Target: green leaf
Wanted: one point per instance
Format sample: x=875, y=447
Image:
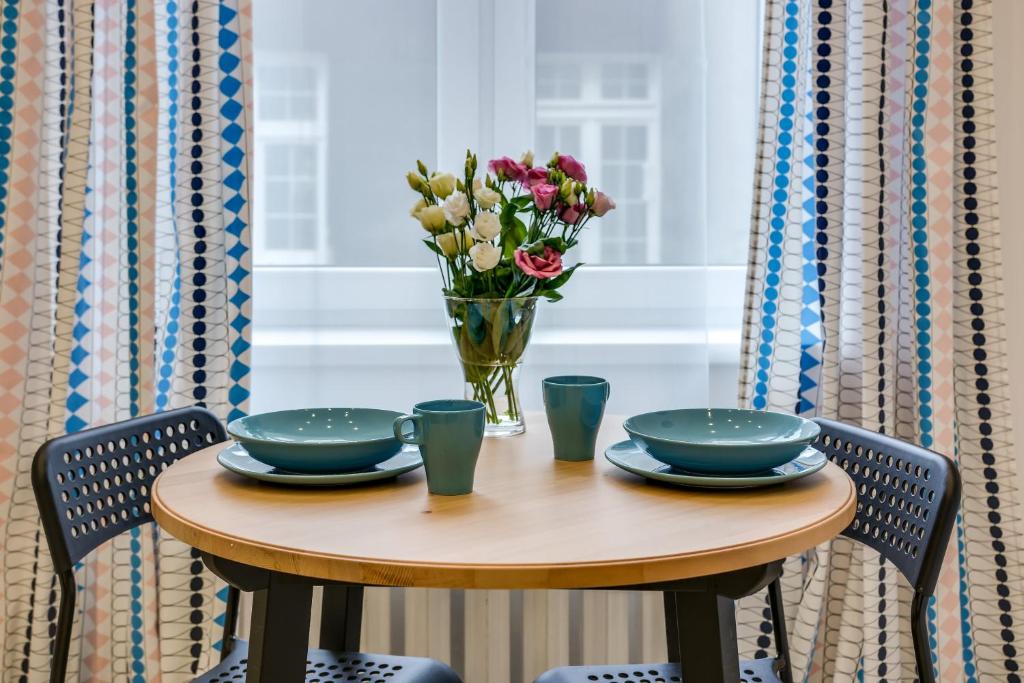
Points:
x=556, y=282
x=522, y=201
x=519, y=230
x=551, y=296
x=513, y=231
x=508, y=213
x=556, y=243
x=434, y=248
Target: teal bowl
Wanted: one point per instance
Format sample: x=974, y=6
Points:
x=319, y=440
x=721, y=440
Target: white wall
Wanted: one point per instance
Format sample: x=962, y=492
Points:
x=1009, y=89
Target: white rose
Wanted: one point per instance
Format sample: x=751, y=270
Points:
x=486, y=197
x=486, y=226
x=456, y=208
x=431, y=218
x=449, y=242
x=485, y=256
x=417, y=207
x=442, y=184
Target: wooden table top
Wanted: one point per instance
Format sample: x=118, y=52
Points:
x=532, y=522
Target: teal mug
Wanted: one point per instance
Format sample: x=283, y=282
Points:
x=575, y=406
x=449, y=434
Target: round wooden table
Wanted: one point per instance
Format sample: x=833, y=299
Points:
x=531, y=522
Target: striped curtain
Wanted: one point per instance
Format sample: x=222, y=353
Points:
x=124, y=290
x=874, y=296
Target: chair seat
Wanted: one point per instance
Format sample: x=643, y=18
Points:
x=751, y=671
x=325, y=666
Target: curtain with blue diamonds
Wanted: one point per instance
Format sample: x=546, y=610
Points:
x=874, y=296
x=124, y=290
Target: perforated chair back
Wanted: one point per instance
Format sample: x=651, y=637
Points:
x=95, y=484
x=907, y=498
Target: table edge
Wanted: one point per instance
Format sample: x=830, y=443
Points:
x=604, y=574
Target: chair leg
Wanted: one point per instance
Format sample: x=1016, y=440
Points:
x=65, y=622
x=227, y=643
x=779, y=626
x=919, y=631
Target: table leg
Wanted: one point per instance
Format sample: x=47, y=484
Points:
x=279, y=631
x=705, y=625
x=671, y=627
x=341, y=618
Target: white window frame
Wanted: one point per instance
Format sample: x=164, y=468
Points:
x=285, y=132
x=634, y=315
x=591, y=111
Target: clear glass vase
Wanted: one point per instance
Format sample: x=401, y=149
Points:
x=490, y=336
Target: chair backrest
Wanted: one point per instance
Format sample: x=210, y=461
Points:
x=94, y=484
x=907, y=497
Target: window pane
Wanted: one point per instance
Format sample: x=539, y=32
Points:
x=545, y=142
x=303, y=234
x=273, y=107
x=277, y=230
x=300, y=78
x=611, y=142
x=571, y=81
x=547, y=87
x=304, y=107
x=611, y=80
x=636, y=143
x=611, y=181
x=357, y=116
x=638, y=81
x=287, y=92
x=277, y=159
x=305, y=160
x=634, y=181
x=570, y=141
x=277, y=197
x=304, y=197
x=667, y=114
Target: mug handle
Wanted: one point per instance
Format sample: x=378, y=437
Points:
x=607, y=390
x=413, y=437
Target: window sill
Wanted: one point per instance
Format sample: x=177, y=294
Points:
x=339, y=346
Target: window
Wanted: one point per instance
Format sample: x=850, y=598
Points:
x=291, y=161
x=658, y=98
x=608, y=110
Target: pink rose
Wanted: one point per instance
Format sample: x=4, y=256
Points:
x=572, y=214
x=541, y=267
x=544, y=195
x=572, y=168
x=602, y=204
x=536, y=176
x=508, y=169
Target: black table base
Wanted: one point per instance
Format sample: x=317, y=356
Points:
x=700, y=619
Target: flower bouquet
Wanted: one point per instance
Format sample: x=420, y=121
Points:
x=500, y=243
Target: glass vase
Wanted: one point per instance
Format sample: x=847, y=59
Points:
x=490, y=336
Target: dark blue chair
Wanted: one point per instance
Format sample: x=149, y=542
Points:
x=95, y=484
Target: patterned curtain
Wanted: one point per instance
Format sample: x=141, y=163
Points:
x=124, y=284
x=874, y=296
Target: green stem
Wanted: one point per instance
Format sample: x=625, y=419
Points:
x=487, y=383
